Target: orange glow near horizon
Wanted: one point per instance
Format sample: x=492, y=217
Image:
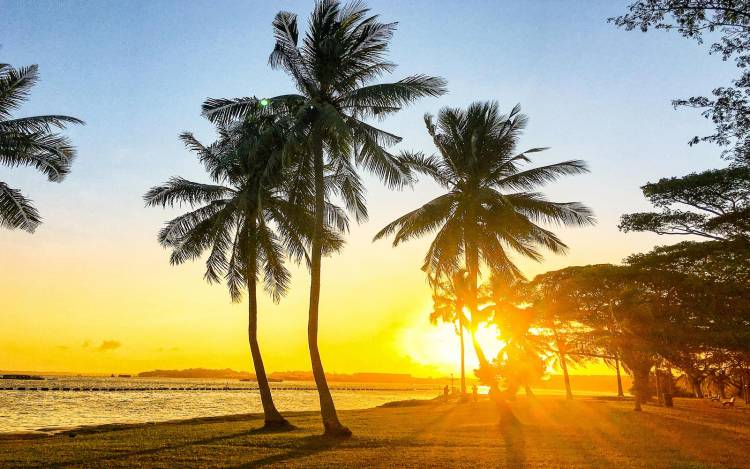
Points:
x=103, y=301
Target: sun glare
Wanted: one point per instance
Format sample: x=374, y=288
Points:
x=438, y=347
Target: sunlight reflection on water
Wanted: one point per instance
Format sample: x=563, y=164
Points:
x=34, y=410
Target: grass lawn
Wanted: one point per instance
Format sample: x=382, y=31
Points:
x=585, y=432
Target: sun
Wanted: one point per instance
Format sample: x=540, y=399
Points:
x=438, y=346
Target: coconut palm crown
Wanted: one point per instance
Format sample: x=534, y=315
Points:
x=491, y=208
x=28, y=141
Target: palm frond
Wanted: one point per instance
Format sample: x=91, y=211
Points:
x=178, y=191
x=16, y=211
x=15, y=87
x=539, y=176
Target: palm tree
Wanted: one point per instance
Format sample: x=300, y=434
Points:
x=28, y=141
x=333, y=69
x=489, y=208
x=244, y=220
x=448, y=306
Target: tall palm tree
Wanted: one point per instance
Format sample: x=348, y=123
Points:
x=490, y=207
x=333, y=69
x=28, y=141
x=244, y=220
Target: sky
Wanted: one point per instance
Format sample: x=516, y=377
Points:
x=92, y=291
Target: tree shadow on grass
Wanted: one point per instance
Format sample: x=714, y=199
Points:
x=515, y=445
x=149, y=451
x=303, y=447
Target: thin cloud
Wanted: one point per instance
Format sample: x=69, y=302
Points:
x=107, y=345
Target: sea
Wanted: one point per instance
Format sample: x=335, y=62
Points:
x=64, y=402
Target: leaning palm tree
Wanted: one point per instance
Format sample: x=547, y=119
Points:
x=244, y=220
x=28, y=141
x=490, y=208
x=333, y=69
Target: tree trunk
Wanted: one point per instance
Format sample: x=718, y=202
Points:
x=273, y=418
x=620, y=392
x=485, y=369
x=640, y=370
x=638, y=388
x=327, y=409
x=659, y=386
x=463, y=354
x=563, y=365
x=695, y=384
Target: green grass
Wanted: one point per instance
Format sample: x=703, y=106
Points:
x=582, y=433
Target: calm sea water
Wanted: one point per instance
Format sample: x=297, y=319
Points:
x=131, y=400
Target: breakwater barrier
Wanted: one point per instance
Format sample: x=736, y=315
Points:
x=187, y=388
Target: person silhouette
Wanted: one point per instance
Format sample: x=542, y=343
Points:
x=445, y=393
x=474, y=392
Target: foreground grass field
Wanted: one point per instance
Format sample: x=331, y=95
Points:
x=585, y=432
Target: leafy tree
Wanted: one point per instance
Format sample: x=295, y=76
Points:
x=722, y=355
x=333, y=68
x=714, y=204
x=718, y=261
x=489, y=208
x=727, y=24
x=28, y=141
x=649, y=314
x=522, y=359
x=559, y=326
x=244, y=220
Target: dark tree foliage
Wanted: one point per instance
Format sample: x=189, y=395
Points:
x=727, y=24
x=718, y=261
x=714, y=204
x=28, y=141
x=644, y=314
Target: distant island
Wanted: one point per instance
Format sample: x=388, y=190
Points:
x=225, y=373
x=228, y=373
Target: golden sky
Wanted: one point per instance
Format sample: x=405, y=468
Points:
x=113, y=304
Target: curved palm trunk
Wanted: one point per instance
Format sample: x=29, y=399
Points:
x=485, y=369
x=272, y=417
x=327, y=408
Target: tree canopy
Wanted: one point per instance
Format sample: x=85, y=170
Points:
x=726, y=23
x=714, y=204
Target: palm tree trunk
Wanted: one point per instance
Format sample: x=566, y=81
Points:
x=485, y=370
x=563, y=365
x=463, y=354
x=327, y=408
x=272, y=417
x=620, y=392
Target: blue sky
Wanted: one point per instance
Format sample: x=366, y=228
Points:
x=138, y=71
